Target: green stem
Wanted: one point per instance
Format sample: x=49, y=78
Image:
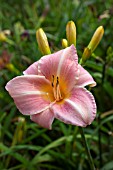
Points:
x=74, y=139
x=80, y=62
x=92, y=167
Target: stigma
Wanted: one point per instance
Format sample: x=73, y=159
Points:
x=56, y=88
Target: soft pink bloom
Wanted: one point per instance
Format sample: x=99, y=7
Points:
x=53, y=87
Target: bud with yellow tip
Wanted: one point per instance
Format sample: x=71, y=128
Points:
x=42, y=42
x=20, y=128
x=86, y=55
x=71, y=33
x=12, y=68
x=96, y=38
x=64, y=43
x=93, y=44
x=3, y=37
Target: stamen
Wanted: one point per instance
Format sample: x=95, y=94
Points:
x=56, y=88
x=58, y=93
x=57, y=81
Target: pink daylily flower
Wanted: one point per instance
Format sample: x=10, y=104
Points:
x=53, y=87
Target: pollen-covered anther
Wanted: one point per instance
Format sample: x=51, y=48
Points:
x=56, y=88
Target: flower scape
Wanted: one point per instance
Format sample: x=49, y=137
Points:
x=54, y=87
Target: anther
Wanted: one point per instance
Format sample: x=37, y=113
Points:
x=53, y=81
x=52, y=84
x=57, y=81
x=53, y=77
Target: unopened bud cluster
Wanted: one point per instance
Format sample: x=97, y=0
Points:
x=71, y=39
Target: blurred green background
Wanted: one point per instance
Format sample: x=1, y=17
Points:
x=23, y=144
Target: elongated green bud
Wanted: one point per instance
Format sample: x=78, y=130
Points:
x=96, y=38
x=71, y=33
x=64, y=43
x=42, y=42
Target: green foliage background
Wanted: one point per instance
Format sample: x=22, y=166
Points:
x=23, y=144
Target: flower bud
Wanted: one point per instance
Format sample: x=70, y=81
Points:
x=42, y=41
x=71, y=33
x=21, y=129
x=64, y=43
x=96, y=38
x=86, y=54
x=3, y=38
x=12, y=68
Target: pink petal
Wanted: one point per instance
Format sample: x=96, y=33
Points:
x=85, y=78
x=44, y=119
x=32, y=69
x=27, y=92
x=63, y=64
x=79, y=109
x=51, y=64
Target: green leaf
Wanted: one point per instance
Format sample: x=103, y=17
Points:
x=108, y=166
